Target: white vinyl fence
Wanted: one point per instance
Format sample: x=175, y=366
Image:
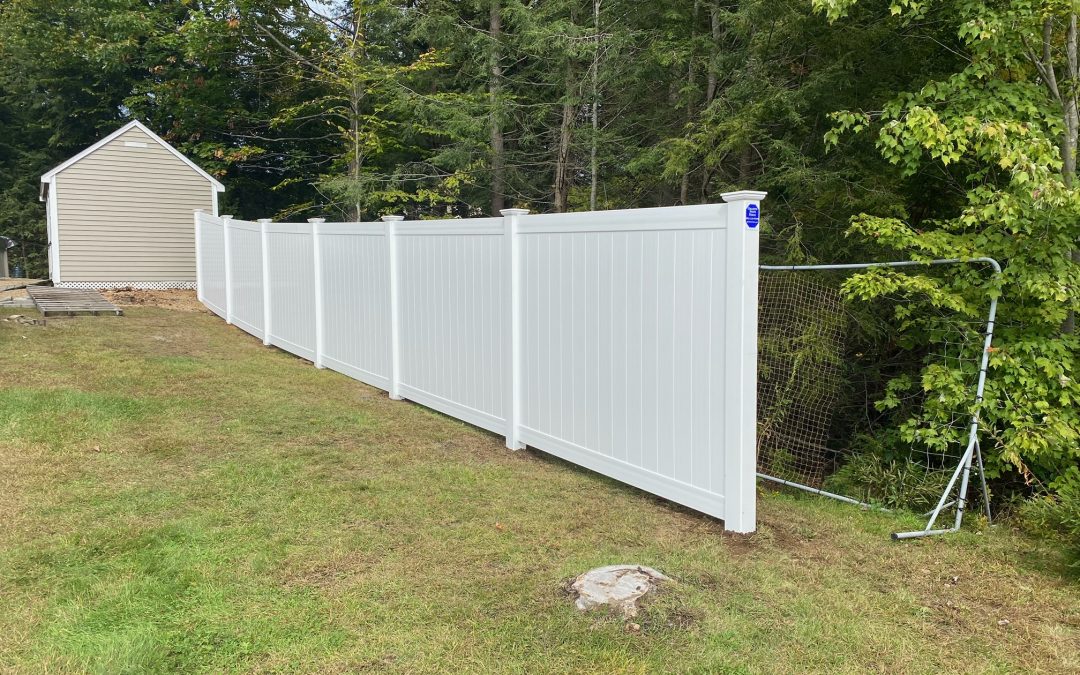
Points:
x=621, y=341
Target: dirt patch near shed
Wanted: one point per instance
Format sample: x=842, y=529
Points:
x=14, y=294
x=175, y=299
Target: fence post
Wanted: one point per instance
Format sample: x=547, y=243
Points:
x=511, y=221
x=263, y=222
x=395, y=316
x=316, y=250
x=198, y=254
x=742, y=215
x=226, y=221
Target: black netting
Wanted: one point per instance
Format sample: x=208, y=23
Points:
x=801, y=326
x=892, y=378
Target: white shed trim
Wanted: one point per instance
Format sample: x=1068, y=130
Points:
x=51, y=221
x=47, y=178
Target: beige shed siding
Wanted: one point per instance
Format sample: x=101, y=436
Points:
x=125, y=214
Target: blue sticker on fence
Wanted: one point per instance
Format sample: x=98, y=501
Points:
x=752, y=213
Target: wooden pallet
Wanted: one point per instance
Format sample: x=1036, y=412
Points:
x=70, y=301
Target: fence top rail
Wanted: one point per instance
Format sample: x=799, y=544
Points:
x=358, y=229
x=289, y=228
x=690, y=217
x=448, y=226
x=244, y=225
x=695, y=217
x=207, y=218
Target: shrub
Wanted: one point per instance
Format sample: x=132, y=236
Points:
x=891, y=482
x=1058, y=513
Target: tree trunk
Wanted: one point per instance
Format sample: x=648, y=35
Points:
x=746, y=166
x=684, y=185
x=711, y=83
x=594, y=166
x=1068, y=141
x=714, y=21
x=356, y=98
x=562, y=157
x=498, y=165
x=356, y=159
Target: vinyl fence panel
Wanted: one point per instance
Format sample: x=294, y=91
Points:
x=622, y=341
x=355, y=278
x=452, y=289
x=246, y=274
x=291, y=271
x=626, y=347
x=210, y=261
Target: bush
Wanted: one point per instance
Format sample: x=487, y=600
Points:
x=1058, y=514
x=893, y=483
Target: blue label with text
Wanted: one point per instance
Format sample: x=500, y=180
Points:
x=752, y=213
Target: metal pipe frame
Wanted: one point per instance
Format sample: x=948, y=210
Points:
x=817, y=491
x=963, y=469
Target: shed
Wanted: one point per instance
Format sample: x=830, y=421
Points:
x=120, y=213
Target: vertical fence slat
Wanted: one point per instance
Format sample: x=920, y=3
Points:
x=512, y=248
x=263, y=222
x=226, y=221
x=316, y=266
x=395, y=309
x=198, y=255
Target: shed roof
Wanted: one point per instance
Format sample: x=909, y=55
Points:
x=47, y=177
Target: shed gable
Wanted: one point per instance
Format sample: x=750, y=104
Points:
x=134, y=152
x=124, y=212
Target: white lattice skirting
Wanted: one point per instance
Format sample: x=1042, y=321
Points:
x=142, y=285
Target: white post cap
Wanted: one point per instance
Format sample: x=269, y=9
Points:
x=266, y=220
x=316, y=220
x=743, y=196
x=393, y=219
x=514, y=212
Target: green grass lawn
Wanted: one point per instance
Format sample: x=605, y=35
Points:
x=176, y=497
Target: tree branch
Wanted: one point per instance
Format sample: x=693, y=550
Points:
x=1048, y=59
x=292, y=52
